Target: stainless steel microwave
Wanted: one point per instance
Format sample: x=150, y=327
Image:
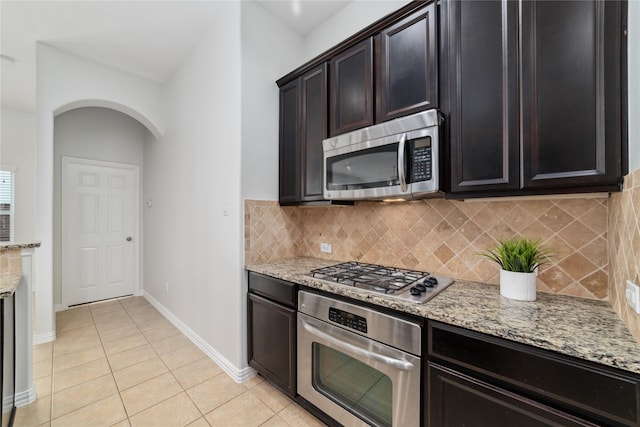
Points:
x=394, y=160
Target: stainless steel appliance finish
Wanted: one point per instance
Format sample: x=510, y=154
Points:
x=397, y=159
x=407, y=285
x=357, y=365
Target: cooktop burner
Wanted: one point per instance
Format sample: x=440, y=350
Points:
x=408, y=285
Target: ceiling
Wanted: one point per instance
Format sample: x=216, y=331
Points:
x=148, y=38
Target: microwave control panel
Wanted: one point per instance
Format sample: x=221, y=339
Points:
x=347, y=319
x=421, y=159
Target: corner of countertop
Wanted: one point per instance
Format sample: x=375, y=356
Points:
x=8, y=284
x=18, y=245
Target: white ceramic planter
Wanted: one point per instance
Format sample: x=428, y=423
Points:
x=518, y=286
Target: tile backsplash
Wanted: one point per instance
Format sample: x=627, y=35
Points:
x=441, y=236
x=10, y=262
x=624, y=248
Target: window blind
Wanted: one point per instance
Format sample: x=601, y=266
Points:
x=6, y=205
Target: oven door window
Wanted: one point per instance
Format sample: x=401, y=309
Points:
x=371, y=168
x=357, y=387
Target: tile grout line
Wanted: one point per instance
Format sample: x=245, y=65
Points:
x=51, y=417
x=183, y=390
x=118, y=391
x=137, y=325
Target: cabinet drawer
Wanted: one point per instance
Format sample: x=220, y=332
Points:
x=456, y=399
x=275, y=289
x=597, y=392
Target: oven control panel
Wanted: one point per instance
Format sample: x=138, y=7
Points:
x=347, y=319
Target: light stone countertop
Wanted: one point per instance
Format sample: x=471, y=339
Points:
x=18, y=245
x=578, y=327
x=9, y=283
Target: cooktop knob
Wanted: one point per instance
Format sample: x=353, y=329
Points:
x=422, y=287
x=415, y=291
x=430, y=281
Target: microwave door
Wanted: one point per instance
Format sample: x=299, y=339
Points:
x=371, y=171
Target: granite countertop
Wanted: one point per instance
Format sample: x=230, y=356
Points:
x=18, y=245
x=9, y=283
x=577, y=327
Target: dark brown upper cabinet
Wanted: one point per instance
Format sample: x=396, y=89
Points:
x=303, y=126
x=407, y=65
x=482, y=94
x=571, y=91
x=289, y=152
x=387, y=70
x=351, y=88
x=537, y=108
x=314, y=130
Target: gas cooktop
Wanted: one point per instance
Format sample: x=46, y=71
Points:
x=406, y=285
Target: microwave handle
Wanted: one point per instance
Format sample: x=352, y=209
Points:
x=401, y=163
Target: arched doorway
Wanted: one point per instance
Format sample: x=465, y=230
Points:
x=98, y=158
x=44, y=305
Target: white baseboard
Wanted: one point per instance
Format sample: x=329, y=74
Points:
x=60, y=307
x=26, y=397
x=44, y=338
x=238, y=375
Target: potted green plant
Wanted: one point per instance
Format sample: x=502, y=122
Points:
x=518, y=260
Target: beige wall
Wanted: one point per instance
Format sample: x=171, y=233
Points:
x=441, y=236
x=624, y=248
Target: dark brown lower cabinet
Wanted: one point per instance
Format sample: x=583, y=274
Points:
x=474, y=379
x=8, y=363
x=272, y=330
x=456, y=399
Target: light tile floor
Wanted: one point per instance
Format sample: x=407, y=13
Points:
x=121, y=363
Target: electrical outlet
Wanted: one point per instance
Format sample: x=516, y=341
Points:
x=325, y=247
x=633, y=296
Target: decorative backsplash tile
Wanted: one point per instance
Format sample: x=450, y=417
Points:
x=10, y=262
x=441, y=236
x=624, y=248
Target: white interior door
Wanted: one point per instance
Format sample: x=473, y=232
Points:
x=100, y=215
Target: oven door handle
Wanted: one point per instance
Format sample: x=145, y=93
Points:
x=395, y=363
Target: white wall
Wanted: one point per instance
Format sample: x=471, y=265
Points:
x=66, y=81
x=634, y=85
x=269, y=51
x=192, y=175
x=346, y=22
x=96, y=134
x=18, y=148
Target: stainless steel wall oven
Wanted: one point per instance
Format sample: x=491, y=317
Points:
x=359, y=366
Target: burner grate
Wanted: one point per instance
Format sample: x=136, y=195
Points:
x=409, y=285
x=369, y=276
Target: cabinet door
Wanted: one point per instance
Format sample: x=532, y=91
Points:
x=289, y=143
x=351, y=88
x=456, y=399
x=571, y=93
x=272, y=342
x=481, y=94
x=8, y=363
x=314, y=130
x=406, y=65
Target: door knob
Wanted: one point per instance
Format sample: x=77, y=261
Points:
x=129, y=239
